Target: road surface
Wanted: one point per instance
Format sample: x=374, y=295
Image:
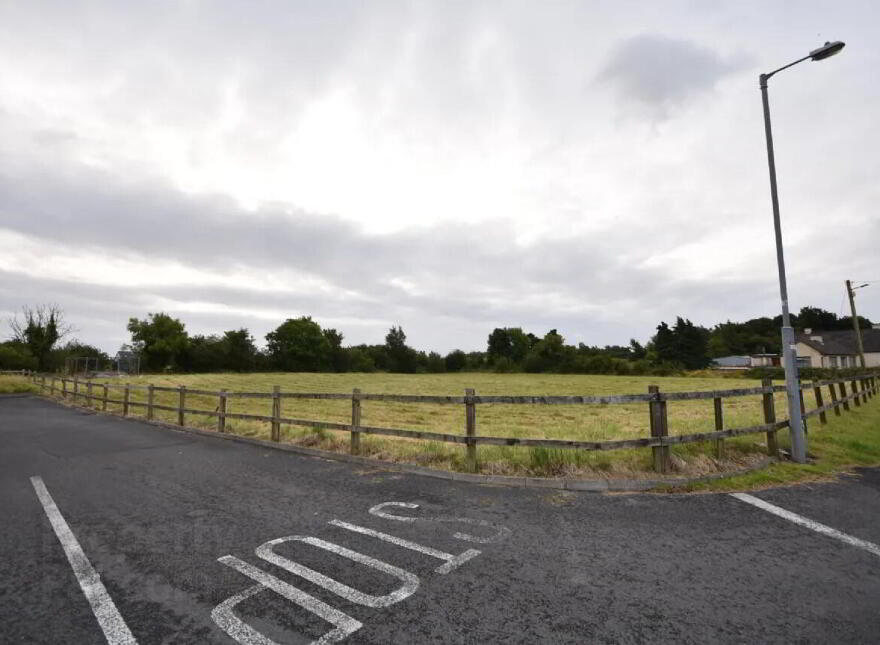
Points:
x=117, y=531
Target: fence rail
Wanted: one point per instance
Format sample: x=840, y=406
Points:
x=861, y=388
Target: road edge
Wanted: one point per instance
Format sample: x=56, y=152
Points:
x=581, y=485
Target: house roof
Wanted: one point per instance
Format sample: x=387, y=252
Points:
x=841, y=342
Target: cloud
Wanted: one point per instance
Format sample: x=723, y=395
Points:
x=107, y=248
x=659, y=73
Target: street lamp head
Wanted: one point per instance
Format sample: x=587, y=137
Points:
x=826, y=50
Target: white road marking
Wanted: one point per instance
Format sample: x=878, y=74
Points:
x=410, y=581
x=501, y=532
x=237, y=629
x=344, y=624
x=452, y=561
x=115, y=630
x=870, y=547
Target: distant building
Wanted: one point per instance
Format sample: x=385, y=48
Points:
x=745, y=362
x=837, y=348
x=731, y=363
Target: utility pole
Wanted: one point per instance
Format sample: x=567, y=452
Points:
x=855, y=319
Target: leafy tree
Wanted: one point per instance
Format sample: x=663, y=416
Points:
x=203, y=354
x=455, y=360
x=340, y=358
x=161, y=341
x=685, y=344
x=691, y=344
x=508, y=342
x=299, y=345
x=663, y=344
x=15, y=355
x=429, y=363
x=636, y=350
x=816, y=318
x=39, y=329
x=360, y=360
x=548, y=355
x=401, y=357
x=475, y=361
x=240, y=353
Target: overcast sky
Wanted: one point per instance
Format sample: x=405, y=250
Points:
x=445, y=166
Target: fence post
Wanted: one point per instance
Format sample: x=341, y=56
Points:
x=842, y=387
x=276, y=412
x=470, y=411
x=719, y=425
x=181, y=404
x=221, y=412
x=355, y=421
x=125, y=395
x=64, y=388
x=864, y=383
x=770, y=417
x=659, y=428
x=89, y=394
x=52, y=388
x=817, y=392
x=104, y=400
x=150, y=400
x=855, y=390
x=75, y=388
x=833, y=391
x=42, y=383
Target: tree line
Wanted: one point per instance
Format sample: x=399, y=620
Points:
x=301, y=345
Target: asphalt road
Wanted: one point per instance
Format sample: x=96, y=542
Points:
x=154, y=509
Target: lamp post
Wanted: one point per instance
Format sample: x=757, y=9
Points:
x=850, y=291
x=789, y=349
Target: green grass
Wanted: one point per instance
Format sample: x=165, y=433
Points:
x=845, y=442
x=15, y=385
x=584, y=422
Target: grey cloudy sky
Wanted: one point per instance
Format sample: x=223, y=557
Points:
x=446, y=166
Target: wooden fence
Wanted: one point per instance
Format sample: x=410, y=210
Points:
x=861, y=388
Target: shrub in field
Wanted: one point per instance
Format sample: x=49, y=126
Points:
x=15, y=356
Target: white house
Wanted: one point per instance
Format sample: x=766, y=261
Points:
x=837, y=348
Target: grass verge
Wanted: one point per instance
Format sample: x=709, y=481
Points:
x=16, y=385
x=846, y=442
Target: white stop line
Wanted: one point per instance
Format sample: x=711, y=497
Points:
x=870, y=547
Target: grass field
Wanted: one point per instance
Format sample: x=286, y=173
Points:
x=15, y=385
x=848, y=440
x=584, y=422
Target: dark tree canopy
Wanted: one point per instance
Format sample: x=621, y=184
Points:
x=299, y=345
x=401, y=357
x=161, y=341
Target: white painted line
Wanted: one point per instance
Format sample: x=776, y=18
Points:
x=115, y=630
x=237, y=629
x=501, y=532
x=409, y=586
x=345, y=625
x=452, y=561
x=870, y=547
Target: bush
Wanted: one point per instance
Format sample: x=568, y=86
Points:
x=16, y=357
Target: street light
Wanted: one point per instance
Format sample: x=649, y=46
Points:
x=789, y=349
